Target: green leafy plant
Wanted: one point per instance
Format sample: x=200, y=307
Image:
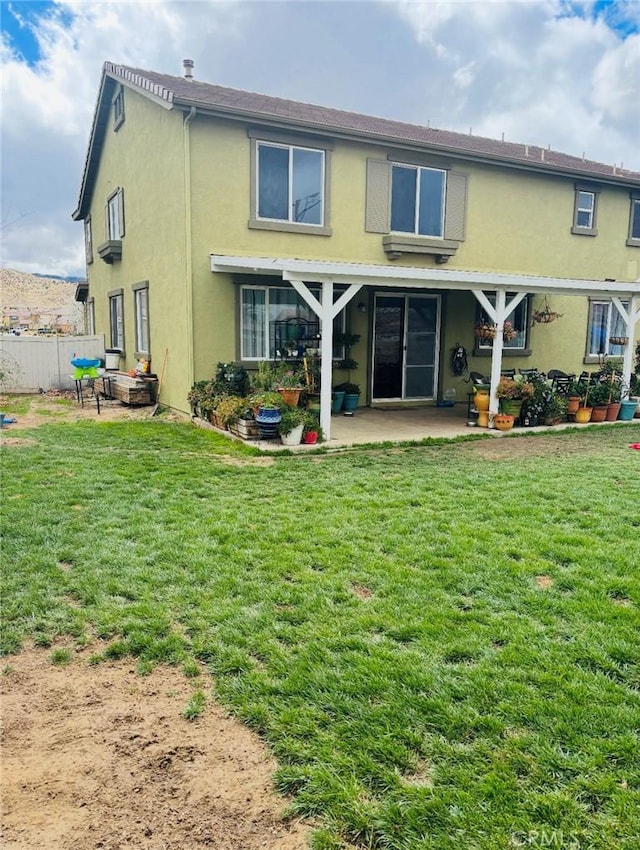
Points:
x=291, y=418
x=515, y=388
x=230, y=409
x=348, y=388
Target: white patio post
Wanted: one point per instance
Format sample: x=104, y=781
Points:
x=326, y=312
x=630, y=316
x=498, y=316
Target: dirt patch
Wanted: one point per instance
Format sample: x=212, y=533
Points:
x=544, y=582
x=99, y=757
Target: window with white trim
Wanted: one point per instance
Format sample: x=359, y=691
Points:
x=262, y=306
x=118, y=109
x=290, y=184
x=116, y=320
x=115, y=215
x=633, y=239
x=585, y=209
x=605, y=322
x=418, y=200
x=141, y=305
x=88, y=240
x=519, y=319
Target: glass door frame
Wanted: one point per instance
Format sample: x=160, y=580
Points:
x=436, y=366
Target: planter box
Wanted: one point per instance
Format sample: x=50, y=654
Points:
x=246, y=429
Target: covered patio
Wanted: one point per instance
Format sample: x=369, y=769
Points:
x=301, y=274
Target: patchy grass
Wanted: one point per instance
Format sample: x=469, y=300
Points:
x=440, y=643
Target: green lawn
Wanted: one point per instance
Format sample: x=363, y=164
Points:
x=440, y=643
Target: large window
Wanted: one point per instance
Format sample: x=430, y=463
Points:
x=417, y=200
x=116, y=319
x=604, y=322
x=290, y=184
x=141, y=303
x=519, y=319
x=261, y=307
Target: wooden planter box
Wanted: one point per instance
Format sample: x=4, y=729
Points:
x=247, y=429
x=125, y=389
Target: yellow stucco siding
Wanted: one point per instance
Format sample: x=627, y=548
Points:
x=145, y=158
x=516, y=222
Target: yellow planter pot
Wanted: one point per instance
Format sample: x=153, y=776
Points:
x=583, y=414
x=481, y=400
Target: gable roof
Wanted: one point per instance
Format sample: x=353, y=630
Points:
x=181, y=93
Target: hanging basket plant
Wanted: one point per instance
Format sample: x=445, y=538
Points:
x=546, y=315
x=484, y=331
x=618, y=340
x=509, y=332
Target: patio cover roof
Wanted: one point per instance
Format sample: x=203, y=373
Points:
x=300, y=273
x=412, y=276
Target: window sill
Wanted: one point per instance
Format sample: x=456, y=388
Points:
x=110, y=250
x=289, y=227
x=395, y=245
x=506, y=352
x=633, y=243
x=584, y=231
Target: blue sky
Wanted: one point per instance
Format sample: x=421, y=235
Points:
x=547, y=72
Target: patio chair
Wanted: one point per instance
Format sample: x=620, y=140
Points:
x=477, y=379
x=507, y=373
x=560, y=381
x=528, y=373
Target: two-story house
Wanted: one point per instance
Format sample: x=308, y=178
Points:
x=213, y=215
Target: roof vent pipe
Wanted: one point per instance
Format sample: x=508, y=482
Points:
x=187, y=64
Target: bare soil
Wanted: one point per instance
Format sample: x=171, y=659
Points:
x=101, y=757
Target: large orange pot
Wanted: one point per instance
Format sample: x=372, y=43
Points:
x=573, y=403
x=599, y=413
x=503, y=421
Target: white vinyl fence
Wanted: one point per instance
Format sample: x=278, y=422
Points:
x=32, y=363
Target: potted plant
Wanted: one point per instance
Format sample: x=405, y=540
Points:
x=269, y=415
x=484, y=332
x=229, y=410
x=554, y=408
x=503, y=421
x=289, y=384
x=291, y=425
x=599, y=400
x=311, y=430
x=351, y=396
x=337, y=400
x=512, y=392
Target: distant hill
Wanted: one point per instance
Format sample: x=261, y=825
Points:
x=68, y=279
x=26, y=294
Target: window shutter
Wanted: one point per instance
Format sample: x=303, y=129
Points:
x=121, y=211
x=456, y=206
x=378, y=196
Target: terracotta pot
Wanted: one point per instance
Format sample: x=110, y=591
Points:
x=583, y=415
x=613, y=410
x=573, y=403
x=599, y=413
x=503, y=421
x=290, y=396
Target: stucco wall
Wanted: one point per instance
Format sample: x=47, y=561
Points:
x=146, y=157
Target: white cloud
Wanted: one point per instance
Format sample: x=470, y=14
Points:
x=530, y=69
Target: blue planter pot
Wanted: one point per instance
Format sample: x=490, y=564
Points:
x=337, y=400
x=267, y=420
x=351, y=401
x=627, y=409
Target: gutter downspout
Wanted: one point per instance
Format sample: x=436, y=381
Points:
x=188, y=246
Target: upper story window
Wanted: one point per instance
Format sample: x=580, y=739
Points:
x=116, y=319
x=91, y=316
x=118, y=109
x=420, y=207
x=115, y=215
x=417, y=200
x=88, y=240
x=605, y=323
x=633, y=239
x=585, y=210
x=290, y=182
